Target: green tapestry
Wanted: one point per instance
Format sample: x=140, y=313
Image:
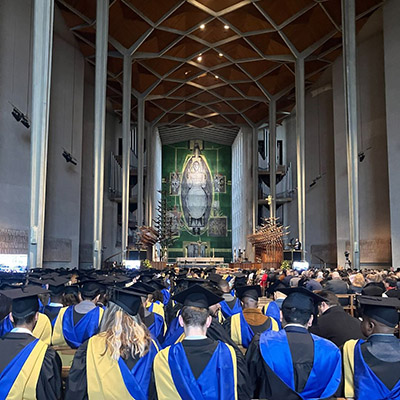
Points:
x=197, y=185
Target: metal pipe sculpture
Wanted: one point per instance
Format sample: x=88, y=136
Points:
x=268, y=242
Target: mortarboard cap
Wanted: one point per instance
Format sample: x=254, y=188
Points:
x=372, y=290
x=24, y=300
x=254, y=292
x=381, y=309
x=301, y=299
x=90, y=288
x=215, y=278
x=197, y=296
x=157, y=284
x=143, y=287
x=276, y=287
x=71, y=289
x=240, y=279
x=128, y=300
x=57, y=284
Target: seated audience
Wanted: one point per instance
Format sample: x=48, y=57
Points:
x=116, y=363
x=333, y=323
x=187, y=369
x=293, y=364
x=372, y=367
x=29, y=369
x=76, y=324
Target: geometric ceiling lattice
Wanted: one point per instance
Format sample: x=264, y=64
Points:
x=206, y=67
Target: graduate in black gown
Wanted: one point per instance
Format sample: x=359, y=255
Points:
x=293, y=364
x=154, y=322
x=28, y=367
x=372, y=367
x=243, y=325
x=117, y=362
x=57, y=288
x=198, y=367
x=75, y=324
x=231, y=304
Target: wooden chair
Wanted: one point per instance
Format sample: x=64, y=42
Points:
x=67, y=356
x=350, y=306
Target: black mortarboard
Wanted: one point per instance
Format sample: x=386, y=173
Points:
x=71, y=289
x=254, y=292
x=240, y=279
x=393, y=293
x=215, y=278
x=372, y=290
x=157, y=284
x=191, y=281
x=381, y=309
x=56, y=284
x=276, y=287
x=301, y=299
x=128, y=300
x=197, y=296
x=24, y=300
x=143, y=287
x=90, y=288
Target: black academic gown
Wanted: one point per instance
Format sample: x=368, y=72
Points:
x=49, y=385
x=337, y=326
x=199, y=353
x=382, y=354
x=255, y=328
x=148, y=321
x=264, y=383
x=51, y=312
x=217, y=332
x=77, y=379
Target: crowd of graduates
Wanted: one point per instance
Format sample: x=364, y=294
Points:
x=195, y=334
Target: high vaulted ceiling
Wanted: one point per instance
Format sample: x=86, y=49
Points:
x=202, y=63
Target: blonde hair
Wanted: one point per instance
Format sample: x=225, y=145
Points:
x=374, y=277
x=125, y=335
x=357, y=280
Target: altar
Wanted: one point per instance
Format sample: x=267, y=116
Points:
x=203, y=261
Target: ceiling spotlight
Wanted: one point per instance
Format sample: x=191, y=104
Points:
x=17, y=114
x=361, y=154
x=226, y=27
x=25, y=121
x=202, y=26
x=216, y=76
x=187, y=72
x=220, y=54
x=199, y=58
x=20, y=116
x=69, y=158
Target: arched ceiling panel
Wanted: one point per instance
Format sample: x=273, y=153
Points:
x=210, y=63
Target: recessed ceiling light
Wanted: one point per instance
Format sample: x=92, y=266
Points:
x=216, y=76
x=202, y=26
x=186, y=72
x=226, y=27
x=199, y=58
x=220, y=54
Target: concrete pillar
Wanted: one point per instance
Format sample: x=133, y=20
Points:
x=41, y=78
x=254, y=160
x=350, y=91
x=300, y=151
x=126, y=148
x=391, y=33
x=272, y=157
x=99, y=127
x=149, y=177
x=140, y=180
